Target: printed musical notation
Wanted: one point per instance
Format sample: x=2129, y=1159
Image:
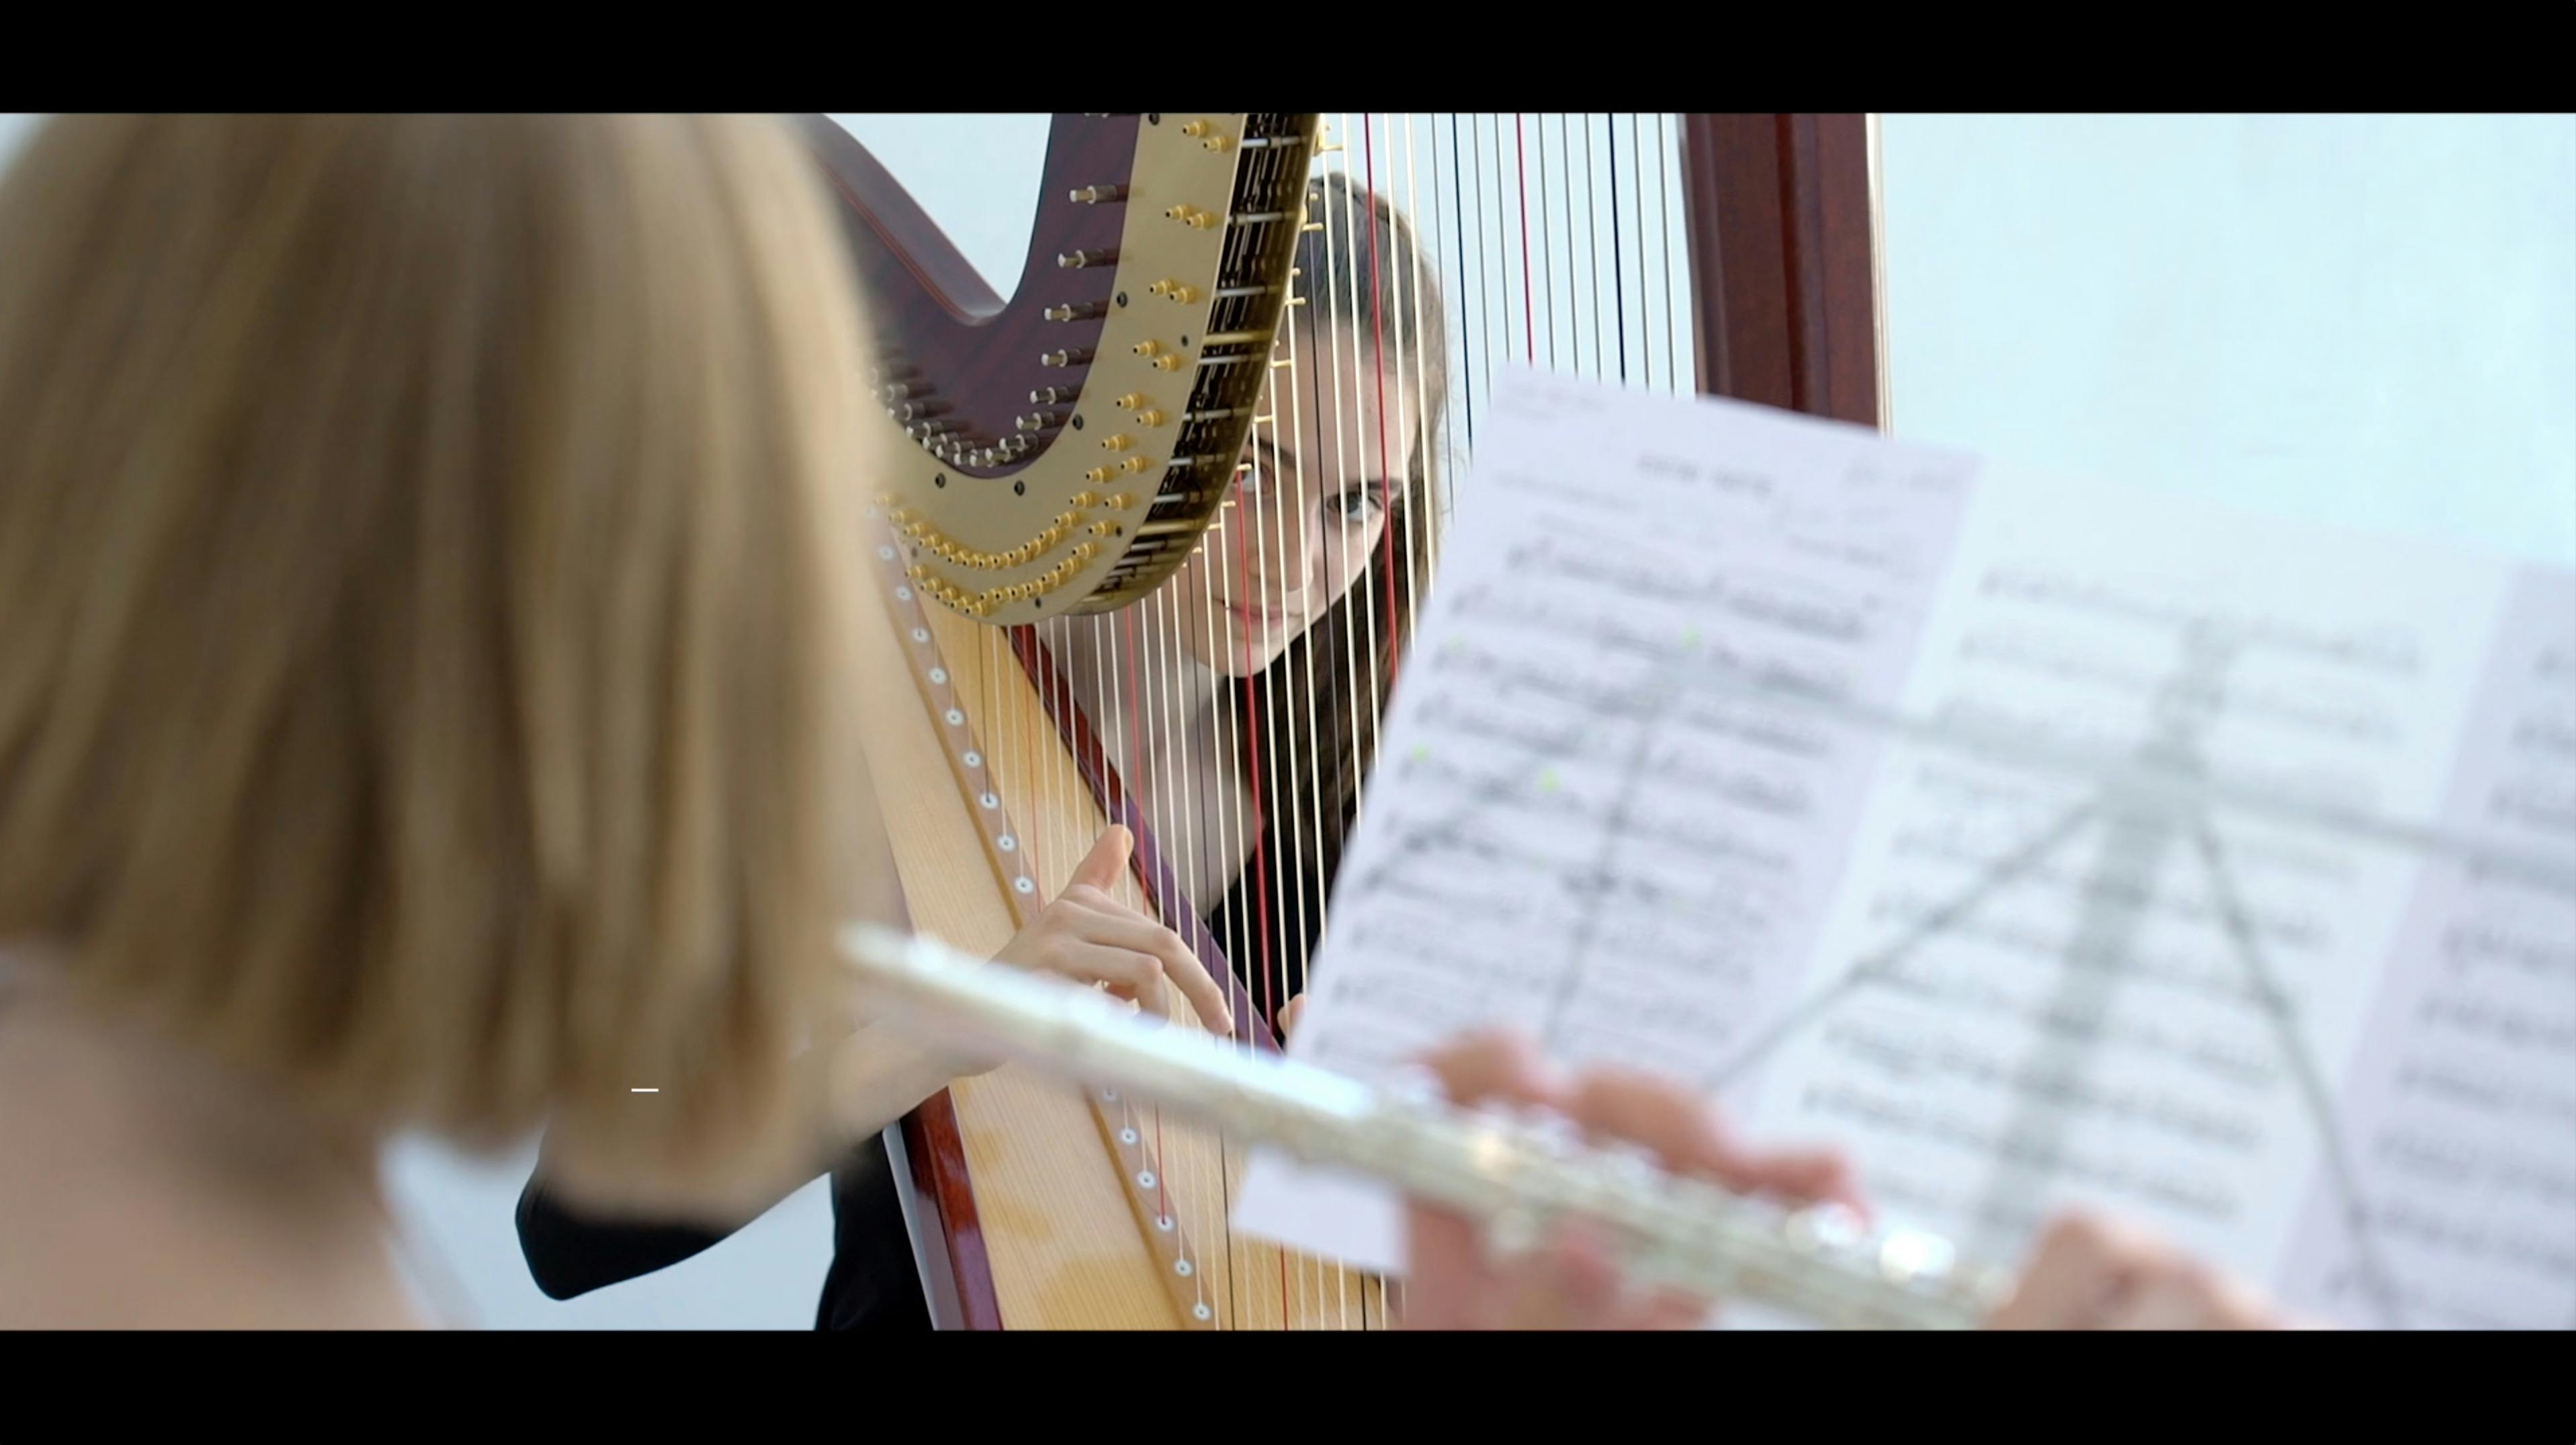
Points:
x=1633, y=803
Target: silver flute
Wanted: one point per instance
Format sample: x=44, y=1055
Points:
x=1519, y=1177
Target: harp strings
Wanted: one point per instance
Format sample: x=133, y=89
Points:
x=1262, y=843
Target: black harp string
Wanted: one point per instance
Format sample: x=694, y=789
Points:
x=1546, y=246
x=1664, y=163
x=1618, y=253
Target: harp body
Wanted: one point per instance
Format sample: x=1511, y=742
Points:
x=1063, y=454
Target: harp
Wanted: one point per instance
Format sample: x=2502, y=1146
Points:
x=1203, y=292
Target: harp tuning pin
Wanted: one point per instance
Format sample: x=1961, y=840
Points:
x=1132, y=464
x=1076, y=311
x=1195, y=128
x=1118, y=443
x=1097, y=475
x=1215, y=143
x=1119, y=502
x=1082, y=499
x=1098, y=195
x=1070, y=356
x=1149, y=417
x=1148, y=348
x=894, y=391
x=1077, y=260
x=1049, y=396
x=1167, y=362
x=1040, y=420
x=1132, y=400
x=1184, y=294
x=918, y=410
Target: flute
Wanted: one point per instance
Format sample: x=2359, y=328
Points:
x=1519, y=1180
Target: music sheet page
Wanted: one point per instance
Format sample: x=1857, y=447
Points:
x=2040, y=843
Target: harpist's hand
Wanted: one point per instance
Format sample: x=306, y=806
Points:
x=1090, y=937
x=2093, y=1274
x=1570, y=1283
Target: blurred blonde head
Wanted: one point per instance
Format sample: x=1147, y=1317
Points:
x=425, y=608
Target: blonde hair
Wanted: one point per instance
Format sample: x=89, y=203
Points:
x=426, y=569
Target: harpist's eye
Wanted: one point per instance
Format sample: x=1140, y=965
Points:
x=1358, y=506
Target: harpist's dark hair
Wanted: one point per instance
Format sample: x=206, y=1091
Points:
x=1367, y=282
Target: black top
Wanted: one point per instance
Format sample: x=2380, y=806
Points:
x=874, y=1282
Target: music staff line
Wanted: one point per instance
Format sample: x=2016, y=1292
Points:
x=2183, y=789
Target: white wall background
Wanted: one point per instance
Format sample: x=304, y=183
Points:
x=2363, y=319
x=2366, y=319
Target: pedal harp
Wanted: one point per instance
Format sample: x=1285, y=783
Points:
x=1191, y=288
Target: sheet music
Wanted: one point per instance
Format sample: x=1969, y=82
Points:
x=2461, y=1101
x=2003, y=987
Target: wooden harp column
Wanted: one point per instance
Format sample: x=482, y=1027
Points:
x=1784, y=261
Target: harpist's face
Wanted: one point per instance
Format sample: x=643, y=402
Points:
x=1309, y=518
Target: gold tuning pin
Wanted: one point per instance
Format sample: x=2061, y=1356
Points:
x=1149, y=417
x=1132, y=464
x=1195, y=128
x=1082, y=499
x=1098, y=474
x=1167, y=362
x=1133, y=400
x=1148, y=348
x=1184, y=294
x=1119, y=502
x=1117, y=443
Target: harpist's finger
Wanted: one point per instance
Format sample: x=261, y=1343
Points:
x=1124, y=928
x=1101, y=867
x=1130, y=974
